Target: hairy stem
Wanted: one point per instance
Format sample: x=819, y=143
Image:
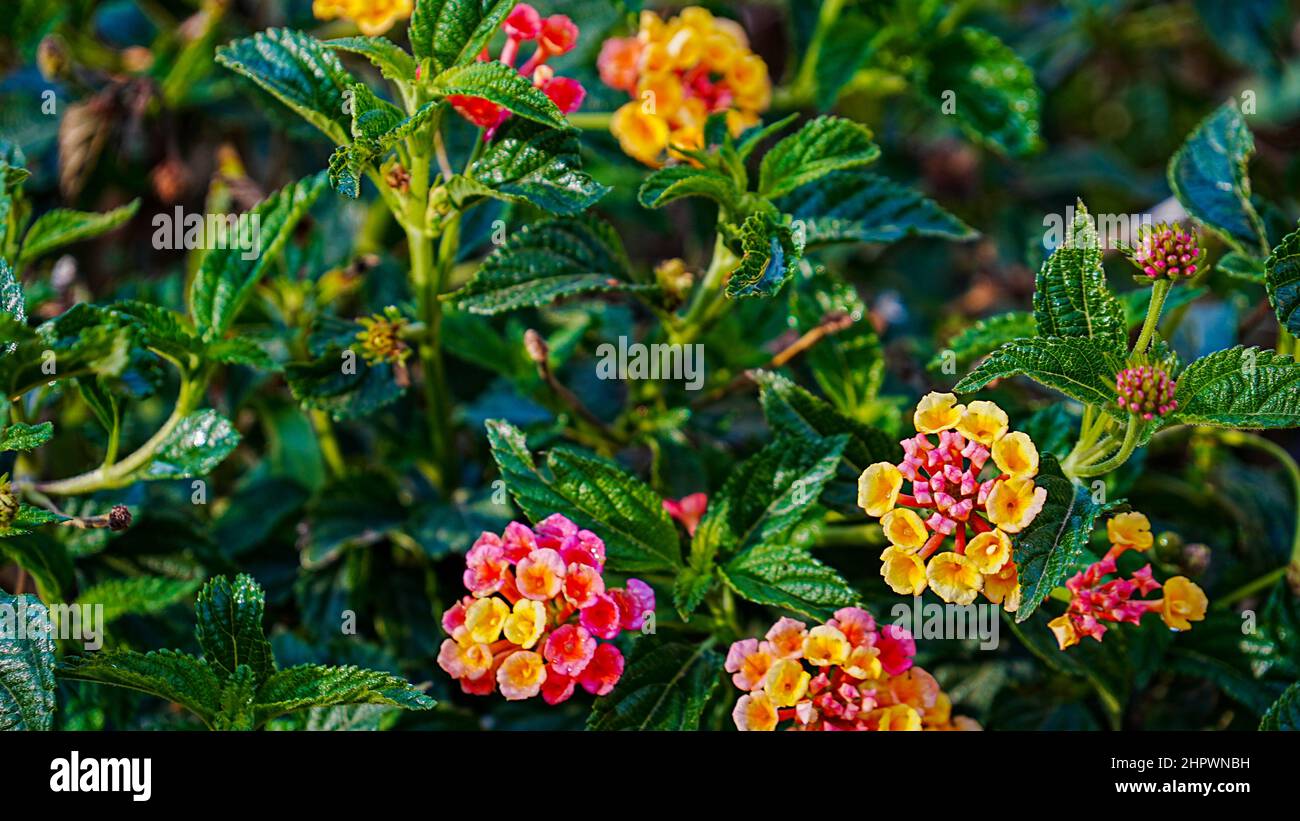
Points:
x=1126, y=449
x=1159, y=292
x=709, y=299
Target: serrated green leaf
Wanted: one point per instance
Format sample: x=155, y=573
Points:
x=453, y=32
x=84, y=340
x=1285, y=712
x=163, y=329
x=993, y=93
x=167, y=674
x=325, y=384
x=1052, y=547
x=237, y=694
x=316, y=685
x=391, y=59
x=846, y=48
x=546, y=261
x=27, y=685
x=822, y=146
x=793, y=412
x=1240, y=387
x=984, y=336
x=1208, y=175
x=595, y=493
x=769, y=249
x=372, y=116
x=20, y=436
x=664, y=687
x=241, y=350
x=858, y=206
x=64, y=226
x=788, y=578
x=1082, y=369
x=537, y=165
x=681, y=181
x=12, y=302
x=226, y=279
x=228, y=626
x=1282, y=279
x=498, y=83
x=1240, y=266
x=199, y=443
x=1070, y=294
x=137, y=595
x=299, y=71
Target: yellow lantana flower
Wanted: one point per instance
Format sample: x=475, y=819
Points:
x=526, y=623
x=1131, y=531
x=373, y=17
x=755, y=712
x=988, y=552
x=878, y=488
x=786, y=682
x=904, y=528
x=904, y=572
x=1003, y=587
x=1063, y=629
x=954, y=577
x=1016, y=454
x=484, y=620
x=984, y=422
x=1013, y=503
x=825, y=646
x=936, y=412
x=1184, y=603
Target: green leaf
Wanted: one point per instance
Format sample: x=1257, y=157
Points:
x=137, y=595
x=996, y=101
x=1285, y=712
x=1240, y=266
x=541, y=166
x=595, y=493
x=1082, y=369
x=1052, y=547
x=241, y=350
x=163, y=329
x=26, y=664
x=63, y=226
x=315, y=685
x=45, y=558
x=1208, y=175
x=793, y=412
x=20, y=436
x=84, y=340
x=237, y=694
x=769, y=248
x=1240, y=387
x=846, y=48
x=822, y=146
x=299, y=71
x=167, y=674
x=26, y=518
x=1070, y=294
x=1282, y=279
x=546, y=261
x=228, y=626
x=324, y=384
x=453, y=32
x=12, y=302
x=681, y=181
x=788, y=578
x=194, y=447
x=664, y=687
x=984, y=336
x=500, y=84
x=226, y=279
x=391, y=59
x=372, y=116
x=858, y=206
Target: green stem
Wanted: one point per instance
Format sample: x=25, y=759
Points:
x=1125, y=451
x=329, y=444
x=805, y=81
x=1159, y=292
x=709, y=299
x=121, y=473
x=591, y=120
x=1250, y=588
x=1239, y=438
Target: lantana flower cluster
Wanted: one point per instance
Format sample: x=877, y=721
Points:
x=539, y=617
x=975, y=485
x=373, y=17
x=553, y=36
x=1166, y=251
x=679, y=71
x=1146, y=390
x=846, y=674
x=1094, y=601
